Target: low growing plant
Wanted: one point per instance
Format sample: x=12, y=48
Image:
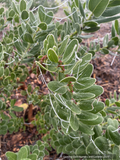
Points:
x=72, y=120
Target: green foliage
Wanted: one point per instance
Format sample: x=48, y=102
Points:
x=72, y=119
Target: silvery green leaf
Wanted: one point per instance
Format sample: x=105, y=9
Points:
x=87, y=116
x=106, y=19
x=85, y=129
x=29, y=29
x=13, y=6
x=73, y=107
x=80, y=150
x=69, y=147
x=41, y=13
x=68, y=79
x=28, y=38
x=85, y=60
x=98, y=131
x=36, y=151
x=97, y=106
x=113, y=3
x=42, y=26
x=24, y=15
x=29, y=4
x=22, y=5
x=70, y=50
x=49, y=17
x=63, y=45
x=52, y=55
x=102, y=143
x=23, y=153
x=91, y=149
x=1, y=10
x=87, y=72
x=1, y=71
x=51, y=68
x=111, y=11
x=98, y=7
x=86, y=104
x=57, y=87
x=11, y=155
x=97, y=121
x=74, y=122
x=116, y=152
x=83, y=96
x=95, y=89
x=83, y=83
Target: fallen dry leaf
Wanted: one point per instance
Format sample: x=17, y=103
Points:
x=24, y=106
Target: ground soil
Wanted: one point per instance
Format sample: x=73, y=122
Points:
x=107, y=75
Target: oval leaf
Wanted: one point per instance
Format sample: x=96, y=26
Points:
x=74, y=122
x=11, y=155
x=23, y=153
x=57, y=87
x=28, y=38
x=98, y=7
x=42, y=26
x=24, y=15
x=1, y=71
x=84, y=83
x=70, y=51
x=52, y=55
x=68, y=79
x=22, y=5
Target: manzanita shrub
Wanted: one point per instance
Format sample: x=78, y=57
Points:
x=72, y=119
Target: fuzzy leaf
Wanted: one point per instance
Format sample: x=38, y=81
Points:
x=114, y=3
x=87, y=116
x=51, y=68
x=17, y=109
x=22, y=5
x=98, y=7
x=70, y=50
x=84, y=83
x=28, y=37
x=63, y=45
x=93, y=122
x=95, y=89
x=52, y=55
x=80, y=150
x=91, y=149
x=116, y=152
x=102, y=143
x=74, y=122
x=1, y=71
x=97, y=106
x=111, y=11
x=87, y=72
x=41, y=13
x=42, y=26
x=68, y=147
x=23, y=153
x=11, y=155
x=24, y=15
x=49, y=17
x=86, y=105
x=68, y=79
x=57, y=87
x=83, y=96
x=73, y=107
x=82, y=65
x=85, y=129
x=114, y=134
